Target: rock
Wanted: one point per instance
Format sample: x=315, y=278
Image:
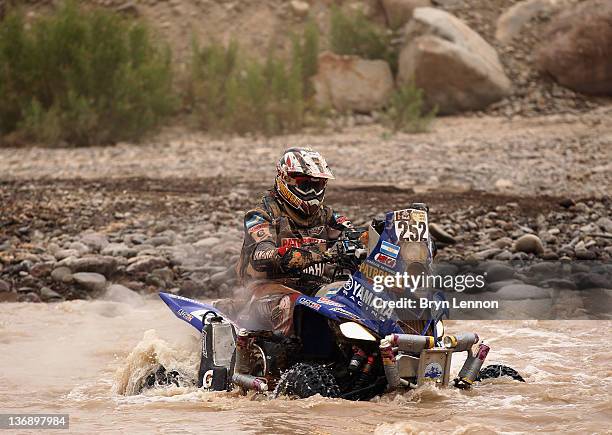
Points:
x=499, y=272
x=208, y=242
x=503, y=184
x=40, y=270
x=512, y=21
x=558, y=284
x=529, y=243
x=146, y=264
x=487, y=253
x=503, y=243
x=81, y=248
x=119, y=250
x=498, y=285
x=4, y=286
x=583, y=253
x=441, y=235
x=398, y=12
x=29, y=297
x=567, y=202
x=349, y=83
x=120, y=293
x=65, y=253
x=587, y=280
x=522, y=291
x=90, y=281
x=62, y=274
x=456, y=68
x=96, y=241
x=300, y=8
x=104, y=265
x=576, y=48
x=159, y=241
x=49, y=295
x=605, y=224
x=8, y=296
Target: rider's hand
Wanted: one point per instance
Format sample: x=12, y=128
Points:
x=295, y=259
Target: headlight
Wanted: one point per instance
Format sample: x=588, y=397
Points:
x=355, y=331
x=440, y=329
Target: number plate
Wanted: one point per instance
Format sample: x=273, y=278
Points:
x=411, y=225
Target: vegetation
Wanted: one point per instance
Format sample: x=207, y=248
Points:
x=355, y=34
x=84, y=77
x=232, y=94
x=406, y=110
x=81, y=77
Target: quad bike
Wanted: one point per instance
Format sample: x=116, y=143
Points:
x=346, y=341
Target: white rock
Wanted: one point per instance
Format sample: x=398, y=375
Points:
x=456, y=68
x=350, y=83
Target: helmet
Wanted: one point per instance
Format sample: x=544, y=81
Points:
x=301, y=180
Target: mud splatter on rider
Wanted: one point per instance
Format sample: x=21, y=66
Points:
x=285, y=237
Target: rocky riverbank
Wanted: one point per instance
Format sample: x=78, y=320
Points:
x=167, y=215
x=79, y=239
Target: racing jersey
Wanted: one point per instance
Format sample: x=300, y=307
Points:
x=270, y=230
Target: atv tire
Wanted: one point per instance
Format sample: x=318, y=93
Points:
x=499, y=370
x=305, y=380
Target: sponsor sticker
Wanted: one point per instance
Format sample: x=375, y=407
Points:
x=264, y=255
x=389, y=249
x=344, y=312
x=297, y=242
x=327, y=301
x=433, y=370
x=385, y=260
x=185, y=315
x=254, y=220
x=310, y=304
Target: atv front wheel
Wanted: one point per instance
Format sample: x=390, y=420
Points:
x=499, y=370
x=305, y=380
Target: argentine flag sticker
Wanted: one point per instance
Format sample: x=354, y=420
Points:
x=389, y=249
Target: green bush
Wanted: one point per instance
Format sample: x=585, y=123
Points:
x=230, y=94
x=354, y=34
x=81, y=77
x=406, y=112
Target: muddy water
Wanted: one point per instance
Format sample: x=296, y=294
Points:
x=76, y=357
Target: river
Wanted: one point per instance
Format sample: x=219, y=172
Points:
x=78, y=357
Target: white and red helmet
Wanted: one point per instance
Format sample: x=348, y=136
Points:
x=301, y=179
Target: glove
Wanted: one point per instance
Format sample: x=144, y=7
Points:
x=295, y=259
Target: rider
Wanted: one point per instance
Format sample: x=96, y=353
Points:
x=286, y=236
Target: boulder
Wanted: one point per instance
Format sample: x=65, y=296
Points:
x=456, y=68
x=440, y=235
x=119, y=250
x=146, y=264
x=95, y=241
x=398, y=12
x=90, y=281
x=576, y=48
x=512, y=21
x=529, y=243
x=350, y=83
x=62, y=274
x=300, y=8
x=101, y=264
x=49, y=295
